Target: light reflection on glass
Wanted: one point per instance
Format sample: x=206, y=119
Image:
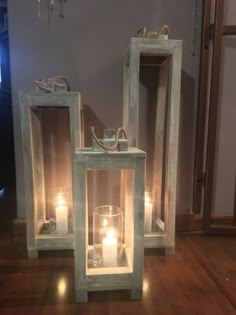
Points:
x=61, y=287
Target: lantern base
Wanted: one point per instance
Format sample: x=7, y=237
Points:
x=50, y=242
x=33, y=254
x=95, y=259
x=136, y=294
x=170, y=251
x=49, y=228
x=81, y=296
x=156, y=240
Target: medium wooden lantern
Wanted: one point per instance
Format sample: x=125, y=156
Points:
x=50, y=134
x=152, y=75
x=109, y=210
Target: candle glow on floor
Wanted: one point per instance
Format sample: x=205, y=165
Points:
x=61, y=287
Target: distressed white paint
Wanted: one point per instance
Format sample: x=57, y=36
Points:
x=168, y=108
x=33, y=164
x=128, y=277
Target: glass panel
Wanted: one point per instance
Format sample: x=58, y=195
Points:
x=110, y=220
x=52, y=169
x=152, y=136
x=230, y=12
x=225, y=168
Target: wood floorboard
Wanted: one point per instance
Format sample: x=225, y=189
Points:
x=219, y=265
x=199, y=279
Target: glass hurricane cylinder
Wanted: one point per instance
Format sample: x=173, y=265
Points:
x=107, y=236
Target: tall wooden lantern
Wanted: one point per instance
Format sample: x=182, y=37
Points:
x=152, y=75
x=109, y=210
x=50, y=134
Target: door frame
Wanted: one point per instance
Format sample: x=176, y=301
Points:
x=207, y=120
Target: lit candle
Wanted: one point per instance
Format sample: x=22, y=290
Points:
x=109, y=249
x=104, y=229
x=61, y=217
x=148, y=214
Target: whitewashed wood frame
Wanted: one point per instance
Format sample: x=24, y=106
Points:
x=33, y=163
x=130, y=277
x=168, y=101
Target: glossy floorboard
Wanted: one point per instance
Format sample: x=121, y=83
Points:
x=199, y=279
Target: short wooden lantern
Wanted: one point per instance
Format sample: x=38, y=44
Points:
x=109, y=210
x=152, y=75
x=50, y=134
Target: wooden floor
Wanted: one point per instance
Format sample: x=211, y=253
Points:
x=199, y=279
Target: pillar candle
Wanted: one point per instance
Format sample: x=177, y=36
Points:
x=148, y=215
x=109, y=250
x=62, y=219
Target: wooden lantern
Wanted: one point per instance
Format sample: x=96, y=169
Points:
x=109, y=210
x=152, y=75
x=50, y=134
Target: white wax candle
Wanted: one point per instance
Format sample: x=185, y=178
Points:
x=109, y=250
x=62, y=219
x=148, y=215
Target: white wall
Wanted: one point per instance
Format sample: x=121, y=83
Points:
x=87, y=47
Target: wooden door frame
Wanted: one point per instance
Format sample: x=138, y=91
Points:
x=213, y=113
x=200, y=177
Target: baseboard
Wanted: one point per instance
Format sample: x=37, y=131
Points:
x=193, y=223
x=19, y=227
x=188, y=223
x=222, y=220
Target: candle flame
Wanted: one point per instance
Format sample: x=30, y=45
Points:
x=147, y=198
x=61, y=201
x=105, y=222
x=110, y=233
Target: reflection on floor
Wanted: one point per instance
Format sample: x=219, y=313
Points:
x=199, y=279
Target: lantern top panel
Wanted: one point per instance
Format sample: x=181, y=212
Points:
x=164, y=47
x=90, y=152
x=35, y=98
x=155, y=42
x=42, y=93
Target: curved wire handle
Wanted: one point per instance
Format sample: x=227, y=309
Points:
x=143, y=32
x=50, y=85
x=119, y=131
x=61, y=78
